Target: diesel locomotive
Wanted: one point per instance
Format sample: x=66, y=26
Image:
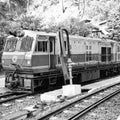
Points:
x=32, y=62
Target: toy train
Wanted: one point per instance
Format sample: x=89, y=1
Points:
x=32, y=61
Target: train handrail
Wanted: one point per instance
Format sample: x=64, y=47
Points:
x=67, y=69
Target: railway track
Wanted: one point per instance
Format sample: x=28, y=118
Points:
x=72, y=109
x=11, y=96
x=6, y=95
x=76, y=109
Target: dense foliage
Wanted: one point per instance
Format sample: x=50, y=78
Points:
x=49, y=15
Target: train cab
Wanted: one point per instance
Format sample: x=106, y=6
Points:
x=34, y=51
x=43, y=57
x=17, y=52
x=27, y=56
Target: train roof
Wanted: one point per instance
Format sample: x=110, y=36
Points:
x=74, y=37
x=91, y=39
x=33, y=33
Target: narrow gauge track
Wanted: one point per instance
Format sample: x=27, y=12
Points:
x=6, y=95
x=92, y=106
x=81, y=106
x=11, y=96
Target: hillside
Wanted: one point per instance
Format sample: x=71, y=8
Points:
x=78, y=16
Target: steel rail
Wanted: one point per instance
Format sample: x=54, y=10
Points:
x=57, y=111
x=13, y=98
x=84, y=111
x=6, y=95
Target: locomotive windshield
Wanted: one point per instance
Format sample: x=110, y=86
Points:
x=11, y=44
x=26, y=44
x=22, y=45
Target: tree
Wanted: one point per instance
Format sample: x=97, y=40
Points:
x=114, y=23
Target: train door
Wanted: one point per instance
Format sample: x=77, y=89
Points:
x=52, y=56
x=109, y=54
x=103, y=54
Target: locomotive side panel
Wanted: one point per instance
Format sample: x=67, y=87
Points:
x=40, y=60
x=90, y=75
x=84, y=50
x=92, y=51
x=85, y=53
x=114, y=52
x=77, y=50
x=118, y=53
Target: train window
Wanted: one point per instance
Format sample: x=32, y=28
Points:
x=90, y=55
x=87, y=56
x=41, y=46
x=103, y=50
x=87, y=47
x=109, y=54
x=26, y=44
x=103, y=54
x=11, y=44
x=90, y=47
x=44, y=46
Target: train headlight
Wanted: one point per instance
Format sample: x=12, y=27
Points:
x=28, y=62
x=3, y=61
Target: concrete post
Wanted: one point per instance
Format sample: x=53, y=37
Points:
x=70, y=70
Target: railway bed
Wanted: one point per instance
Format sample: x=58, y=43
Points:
x=39, y=110
x=74, y=109
x=8, y=108
x=109, y=110
x=9, y=97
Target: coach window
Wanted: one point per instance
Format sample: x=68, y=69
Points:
x=87, y=47
x=90, y=56
x=41, y=46
x=11, y=44
x=87, y=56
x=90, y=47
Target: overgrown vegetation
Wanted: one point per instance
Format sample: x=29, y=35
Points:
x=78, y=16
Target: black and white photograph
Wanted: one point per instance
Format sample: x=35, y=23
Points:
x=59, y=59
